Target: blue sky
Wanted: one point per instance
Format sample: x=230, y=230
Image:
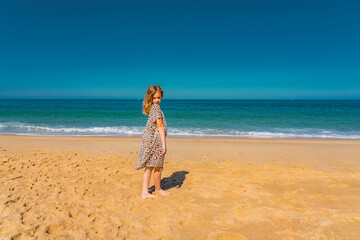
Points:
x=193, y=49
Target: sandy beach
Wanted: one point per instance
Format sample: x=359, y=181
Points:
x=87, y=188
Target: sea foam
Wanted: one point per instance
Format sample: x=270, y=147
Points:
x=18, y=128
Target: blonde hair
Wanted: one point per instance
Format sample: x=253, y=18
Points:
x=148, y=97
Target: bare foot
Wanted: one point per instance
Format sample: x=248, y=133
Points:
x=164, y=193
x=147, y=195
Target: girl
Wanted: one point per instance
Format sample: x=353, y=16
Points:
x=153, y=145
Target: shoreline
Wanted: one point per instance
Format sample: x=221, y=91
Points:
x=180, y=137
x=87, y=187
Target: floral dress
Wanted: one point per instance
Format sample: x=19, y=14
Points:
x=151, y=144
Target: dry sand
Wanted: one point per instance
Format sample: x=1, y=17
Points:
x=87, y=188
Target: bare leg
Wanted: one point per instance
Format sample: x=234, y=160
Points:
x=157, y=181
x=146, y=180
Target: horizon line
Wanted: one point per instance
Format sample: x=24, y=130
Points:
x=186, y=99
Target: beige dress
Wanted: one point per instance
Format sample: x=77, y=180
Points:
x=151, y=144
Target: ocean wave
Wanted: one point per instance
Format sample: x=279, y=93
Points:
x=136, y=131
x=28, y=128
x=292, y=134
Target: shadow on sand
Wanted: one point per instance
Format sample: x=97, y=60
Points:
x=175, y=180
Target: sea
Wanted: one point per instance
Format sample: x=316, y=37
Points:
x=281, y=119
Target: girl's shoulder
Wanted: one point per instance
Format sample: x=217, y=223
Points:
x=155, y=106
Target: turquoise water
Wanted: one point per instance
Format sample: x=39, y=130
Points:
x=185, y=118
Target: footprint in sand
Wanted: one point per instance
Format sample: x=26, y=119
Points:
x=9, y=202
x=224, y=236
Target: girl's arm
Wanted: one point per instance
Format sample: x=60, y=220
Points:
x=161, y=130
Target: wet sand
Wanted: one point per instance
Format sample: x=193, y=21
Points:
x=87, y=188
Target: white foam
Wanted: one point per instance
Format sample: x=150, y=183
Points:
x=28, y=129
